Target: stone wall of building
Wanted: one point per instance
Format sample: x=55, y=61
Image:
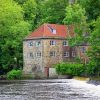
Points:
x=32, y=62
x=48, y=60
x=36, y=65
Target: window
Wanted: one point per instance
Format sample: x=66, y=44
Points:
x=31, y=43
x=65, y=43
x=53, y=42
x=52, y=30
x=31, y=55
x=66, y=54
x=52, y=53
x=83, y=49
x=38, y=43
x=73, y=54
x=38, y=54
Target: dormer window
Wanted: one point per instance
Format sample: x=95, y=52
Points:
x=52, y=30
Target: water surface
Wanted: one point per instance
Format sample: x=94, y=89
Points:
x=66, y=89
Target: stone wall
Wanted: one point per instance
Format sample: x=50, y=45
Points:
x=48, y=61
x=32, y=63
x=39, y=65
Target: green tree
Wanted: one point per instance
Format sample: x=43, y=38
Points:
x=92, y=8
x=94, y=52
x=53, y=11
x=75, y=16
x=30, y=11
x=12, y=30
x=21, y=2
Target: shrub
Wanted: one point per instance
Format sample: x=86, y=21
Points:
x=91, y=68
x=70, y=68
x=14, y=74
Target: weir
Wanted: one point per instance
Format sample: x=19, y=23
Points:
x=56, y=89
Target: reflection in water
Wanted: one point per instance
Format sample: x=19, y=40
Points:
x=49, y=90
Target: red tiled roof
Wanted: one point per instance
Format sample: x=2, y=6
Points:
x=44, y=31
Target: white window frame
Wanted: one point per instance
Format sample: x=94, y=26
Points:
x=53, y=31
x=65, y=43
x=73, y=53
x=38, y=54
x=30, y=55
x=38, y=43
x=30, y=43
x=66, y=54
x=53, y=42
x=52, y=53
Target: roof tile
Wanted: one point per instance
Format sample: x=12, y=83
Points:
x=44, y=31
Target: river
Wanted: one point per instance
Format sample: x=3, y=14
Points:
x=56, y=89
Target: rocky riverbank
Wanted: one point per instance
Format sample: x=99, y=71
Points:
x=95, y=82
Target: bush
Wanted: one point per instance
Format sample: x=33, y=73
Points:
x=91, y=69
x=70, y=68
x=14, y=74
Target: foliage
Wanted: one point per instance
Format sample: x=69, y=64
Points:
x=94, y=52
x=75, y=15
x=14, y=74
x=19, y=17
x=13, y=29
x=30, y=11
x=21, y=2
x=53, y=11
x=91, y=68
x=92, y=8
x=70, y=68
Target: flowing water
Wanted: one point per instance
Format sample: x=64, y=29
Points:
x=66, y=89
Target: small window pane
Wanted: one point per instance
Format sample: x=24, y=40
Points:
x=30, y=43
x=38, y=54
x=52, y=42
x=73, y=54
x=52, y=53
x=65, y=43
x=31, y=55
x=83, y=49
x=38, y=43
x=54, y=31
x=66, y=54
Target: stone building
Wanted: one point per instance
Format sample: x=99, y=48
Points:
x=47, y=46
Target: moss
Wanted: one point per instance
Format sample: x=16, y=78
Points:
x=95, y=78
x=81, y=78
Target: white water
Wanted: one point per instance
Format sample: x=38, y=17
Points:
x=88, y=88
x=57, y=89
